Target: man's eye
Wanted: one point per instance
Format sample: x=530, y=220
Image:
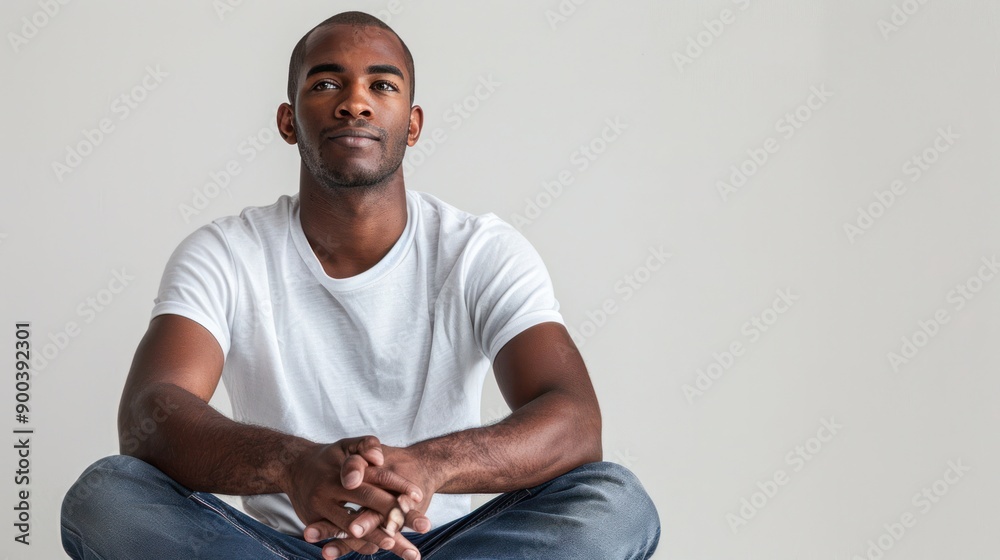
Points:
x=385, y=86
x=325, y=84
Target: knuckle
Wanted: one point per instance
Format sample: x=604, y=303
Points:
x=381, y=476
x=366, y=493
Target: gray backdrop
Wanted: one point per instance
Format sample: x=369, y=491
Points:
x=771, y=225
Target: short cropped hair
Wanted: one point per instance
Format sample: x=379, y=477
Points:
x=345, y=18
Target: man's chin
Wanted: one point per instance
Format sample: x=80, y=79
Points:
x=357, y=177
x=343, y=181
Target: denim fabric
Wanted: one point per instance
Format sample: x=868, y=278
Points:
x=124, y=508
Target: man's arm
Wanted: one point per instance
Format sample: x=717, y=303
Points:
x=554, y=427
x=164, y=419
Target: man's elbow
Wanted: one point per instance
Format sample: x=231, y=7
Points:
x=141, y=415
x=591, y=439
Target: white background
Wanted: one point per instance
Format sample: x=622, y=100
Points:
x=656, y=185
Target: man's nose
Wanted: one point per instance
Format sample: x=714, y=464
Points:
x=355, y=103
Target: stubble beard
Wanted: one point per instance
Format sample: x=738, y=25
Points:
x=343, y=175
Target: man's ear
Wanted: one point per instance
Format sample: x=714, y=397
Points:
x=416, y=125
x=286, y=123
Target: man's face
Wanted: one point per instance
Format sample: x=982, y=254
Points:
x=352, y=116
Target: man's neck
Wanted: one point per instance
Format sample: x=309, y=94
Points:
x=351, y=229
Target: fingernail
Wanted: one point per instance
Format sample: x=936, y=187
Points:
x=388, y=544
x=422, y=525
x=354, y=478
x=411, y=554
x=312, y=534
x=356, y=530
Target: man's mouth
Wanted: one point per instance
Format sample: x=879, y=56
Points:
x=353, y=138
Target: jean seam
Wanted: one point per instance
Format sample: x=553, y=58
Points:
x=652, y=545
x=87, y=551
x=493, y=512
x=92, y=553
x=239, y=527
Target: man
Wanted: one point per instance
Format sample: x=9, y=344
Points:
x=366, y=315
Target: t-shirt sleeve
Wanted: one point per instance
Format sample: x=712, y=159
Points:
x=507, y=287
x=199, y=282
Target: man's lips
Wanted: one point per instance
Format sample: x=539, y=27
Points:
x=353, y=138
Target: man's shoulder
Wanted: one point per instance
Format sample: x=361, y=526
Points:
x=254, y=225
x=255, y=218
x=453, y=223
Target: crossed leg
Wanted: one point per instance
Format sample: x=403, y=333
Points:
x=124, y=508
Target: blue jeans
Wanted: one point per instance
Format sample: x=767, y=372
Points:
x=124, y=508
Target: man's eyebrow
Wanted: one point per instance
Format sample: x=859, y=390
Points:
x=335, y=68
x=329, y=67
x=385, y=69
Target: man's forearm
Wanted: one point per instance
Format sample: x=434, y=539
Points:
x=545, y=438
x=194, y=444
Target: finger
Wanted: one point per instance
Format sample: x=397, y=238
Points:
x=376, y=539
x=399, y=545
x=322, y=530
x=369, y=447
x=352, y=471
x=371, y=497
x=363, y=524
x=336, y=549
x=341, y=547
x=394, y=482
x=404, y=548
x=394, y=522
x=414, y=518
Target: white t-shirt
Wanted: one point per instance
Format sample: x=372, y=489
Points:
x=399, y=351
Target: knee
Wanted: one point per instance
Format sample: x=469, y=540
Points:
x=617, y=494
x=104, y=492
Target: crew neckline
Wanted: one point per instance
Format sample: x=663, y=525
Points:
x=373, y=274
